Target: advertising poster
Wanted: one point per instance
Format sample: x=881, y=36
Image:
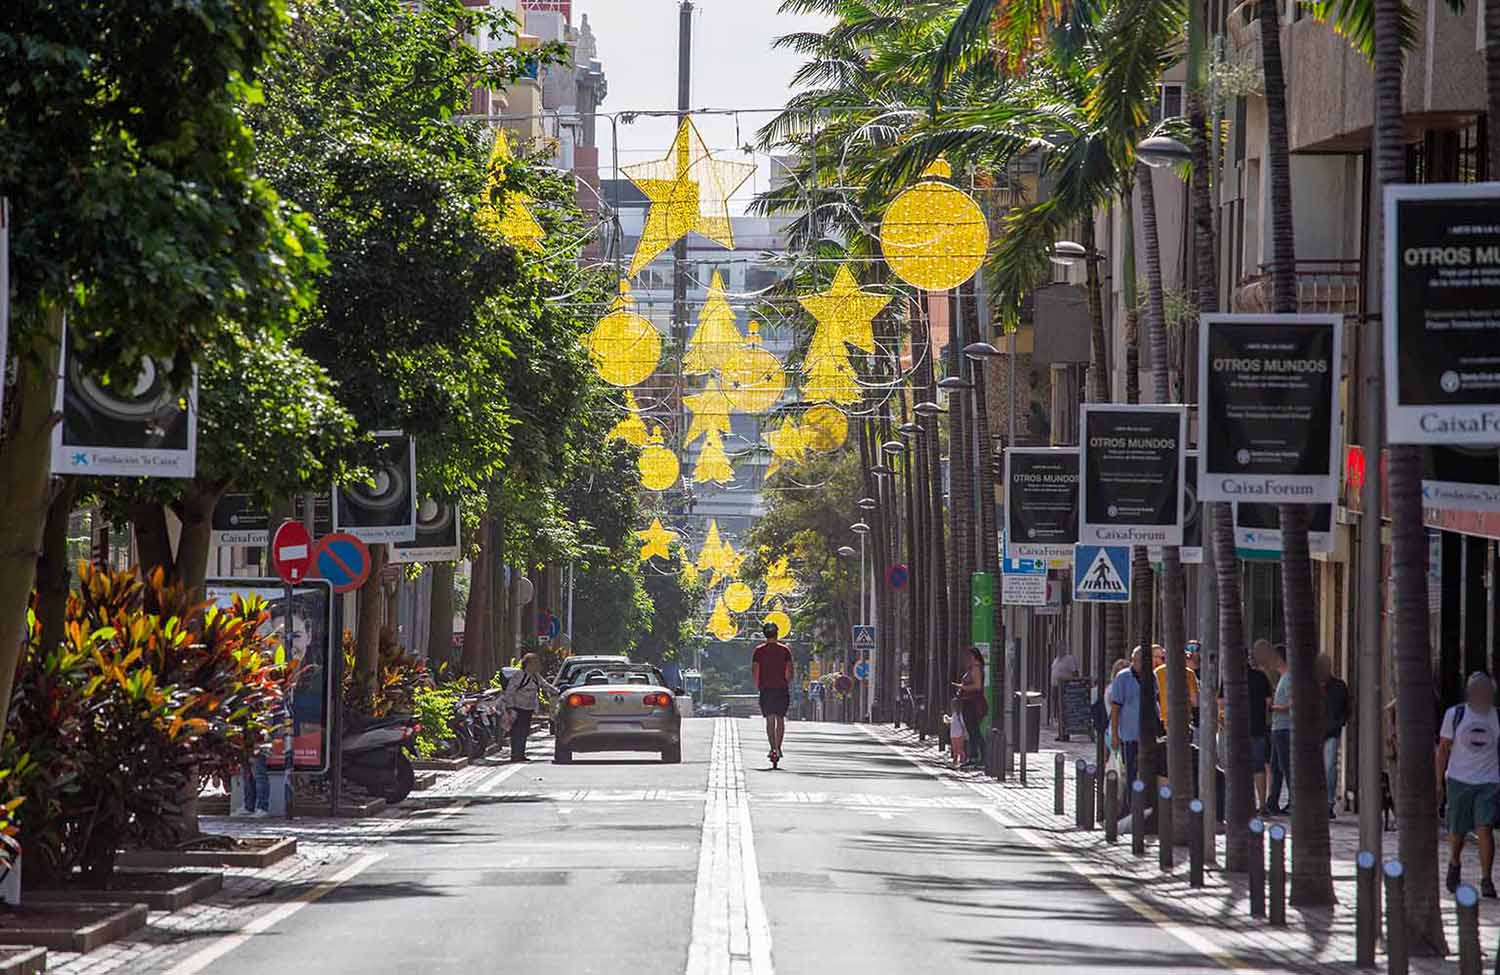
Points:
x=1461, y=478
x=140, y=423
x=1269, y=394
x=239, y=520
x=1442, y=313
x=311, y=642
x=437, y=535
x=384, y=508
x=1257, y=529
x=1191, y=550
x=1130, y=474
x=1041, y=494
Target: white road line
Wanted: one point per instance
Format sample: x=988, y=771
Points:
x=731, y=933
x=494, y=781
x=1110, y=887
x=200, y=960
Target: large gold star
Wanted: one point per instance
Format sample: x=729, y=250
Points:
x=689, y=191
x=787, y=445
x=844, y=312
x=658, y=541
x=711, y=410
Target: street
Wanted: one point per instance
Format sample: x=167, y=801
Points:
x=852, y=857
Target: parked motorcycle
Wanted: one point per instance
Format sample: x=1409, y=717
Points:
x=375, y=754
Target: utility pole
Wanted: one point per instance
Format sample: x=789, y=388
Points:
x=679, y=249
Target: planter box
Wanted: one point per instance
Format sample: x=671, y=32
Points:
x=18, y=960
x=440, y=764
x=248, y=851
x=350, y=808
x=158, y=891
x=70, y=927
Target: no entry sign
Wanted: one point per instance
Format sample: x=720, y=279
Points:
x=291, y=552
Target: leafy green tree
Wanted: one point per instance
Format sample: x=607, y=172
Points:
x=137, y=215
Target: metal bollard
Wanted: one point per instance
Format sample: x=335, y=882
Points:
x=1397, y=961
x=1195, y=843
x=1111, y=806
x=1164, y=832
x=1089, y=819
x=1059, y=763
x=1138, y=818
x=1366, y=910
x=1080, y=768
x=1002, y=753
x=1278, y=875
x=1257, y=868
x=1468, y=929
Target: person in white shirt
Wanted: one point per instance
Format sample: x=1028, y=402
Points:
x=1468, y=768
x=1064, y=668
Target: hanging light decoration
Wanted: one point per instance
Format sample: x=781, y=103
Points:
x=783, y=622
x=788, y=445
x=656, y=541
x=711, y=408
x=713, y=463
x=845, y=316
x=738, y=597
x=720, y=626
x=717, y=337
x=824, y=428
x=658, y=465
x=934, y=236
x=753, y=378
x=779, y=581
x=511, y=219
x=624, y=347
x=632, y=429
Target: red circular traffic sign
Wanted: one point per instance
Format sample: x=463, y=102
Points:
x=291, y=552
x=343, y=560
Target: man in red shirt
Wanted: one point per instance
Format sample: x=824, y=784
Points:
x=772, y=668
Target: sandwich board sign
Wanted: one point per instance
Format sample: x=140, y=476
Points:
x=1101, y=574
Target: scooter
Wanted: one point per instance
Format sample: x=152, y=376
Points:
x=375, y=754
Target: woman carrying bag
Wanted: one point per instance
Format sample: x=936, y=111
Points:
x=523, y=698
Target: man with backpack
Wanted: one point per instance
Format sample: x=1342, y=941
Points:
x=1468, y=768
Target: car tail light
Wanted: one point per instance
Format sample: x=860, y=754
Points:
x=657, y=700
x=580, y=700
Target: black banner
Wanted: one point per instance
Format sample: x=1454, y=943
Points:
x=1461, y=478
x=1041, y=502
x=1442, y=292
x=437, y=534
x=1269, y=399
x=384, y=507
x=1130, y=474
x=1257, y=529
x=239, y=520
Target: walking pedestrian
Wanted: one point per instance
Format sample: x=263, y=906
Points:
x=1335, y=694
x=1124, y=698
x=1468, y=768
x=1258, y=696
x=975, y=707
x=771, y=666
x=1281, y=734
x=523, y=697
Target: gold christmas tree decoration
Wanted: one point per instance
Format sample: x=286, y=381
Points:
x=512, y=219
x=711, y=409
x=689, y=574
x=689, y=191
x=717, y=338
x=738, y=597
x=624, y=347
x=713, y=463
x=710, y=553
x=779, y=581
x=824, y=428
x=658, y=465
x=752, y=378
x=827, y=373
x=632, y=429
x=720, y=626
x=934, y=236
x=656, y=541
x=845, y=316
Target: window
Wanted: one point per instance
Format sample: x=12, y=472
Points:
x=1168, y=102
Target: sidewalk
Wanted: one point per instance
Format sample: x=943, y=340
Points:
x=1217, y=916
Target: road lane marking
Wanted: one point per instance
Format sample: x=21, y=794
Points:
x=494, y=781
x=1108, y=886
x=200, y=960
x=731, y=933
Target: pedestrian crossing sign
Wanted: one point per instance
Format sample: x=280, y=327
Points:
x=1101, y=573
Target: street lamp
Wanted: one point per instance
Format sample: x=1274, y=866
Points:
x=953, y=383
x=1068, y=253
x=847, y=551
x=1162, y=151
x=893, y=447
x=881, y=470
x=868, y=504
x=910, y=429
x=979, y=351
x=928, y=409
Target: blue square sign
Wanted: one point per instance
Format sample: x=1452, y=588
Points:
x=1101, y=573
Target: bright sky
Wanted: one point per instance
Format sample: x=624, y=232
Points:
x=734, y=66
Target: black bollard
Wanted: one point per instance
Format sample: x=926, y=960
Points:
x=1366, y=910
x=1138, y=818
x=1164, y=832
x=1079, y=769
x=1278, y=875
x=1469, y=958
x=1089, y=819
x=1111, y=806
x=1397, y=961
x=1195, y=843
x=1059, y=762
x=1257, y=868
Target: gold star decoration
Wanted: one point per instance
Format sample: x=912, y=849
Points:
x=688, y=191
x=512, y=219
x=934, y=236
x=779, y=581
x=632, y=429
x=623, y=346
x=711, y=411
x=658, y=541
x=717, y=337
x=788, y=445
x=845, y=316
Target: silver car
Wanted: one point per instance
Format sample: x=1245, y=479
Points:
x=618, y=708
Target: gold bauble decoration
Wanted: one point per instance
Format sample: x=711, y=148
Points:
x=781, y=619
x=934, y=236
x=625, y=347
x=658, y=465
x=824, y=428
x=752, y=378
x=738, y=597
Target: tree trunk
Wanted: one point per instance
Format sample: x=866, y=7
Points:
x=1179, y=752
x=153, y=544
x=1239, y=795
x=476, y=652
x=440, y=618
x=961, y=491
x=196, y=509
x=367, y=633
x=53, y=572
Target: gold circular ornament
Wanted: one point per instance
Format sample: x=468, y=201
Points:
x=752, y=378
x=934, y=236
x=624, y=347
x=783, y=623
x=824, y=428
x=658, y=465
x=738, y=597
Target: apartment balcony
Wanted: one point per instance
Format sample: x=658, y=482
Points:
x=1325, y=286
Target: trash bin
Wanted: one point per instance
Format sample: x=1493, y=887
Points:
x=1030, y=703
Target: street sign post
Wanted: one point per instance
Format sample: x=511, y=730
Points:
x=1101, y=574
x=343, y=560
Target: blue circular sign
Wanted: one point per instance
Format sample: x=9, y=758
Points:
x=898, y=576
x=862, y=669
x=343, y=560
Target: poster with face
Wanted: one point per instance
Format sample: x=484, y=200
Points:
x=311, y=644
x=1269, y=394
x=138, y=422
x=1442, y=313
x=384, y=507
x=1041, y=501
x=1130, y=474
x=437, y=534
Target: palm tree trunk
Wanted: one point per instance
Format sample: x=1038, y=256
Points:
x=1312, y=881
x=1179, y=754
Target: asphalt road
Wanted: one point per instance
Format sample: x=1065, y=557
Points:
x=850, y=858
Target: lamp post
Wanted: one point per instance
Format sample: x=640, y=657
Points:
x=980, y=353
